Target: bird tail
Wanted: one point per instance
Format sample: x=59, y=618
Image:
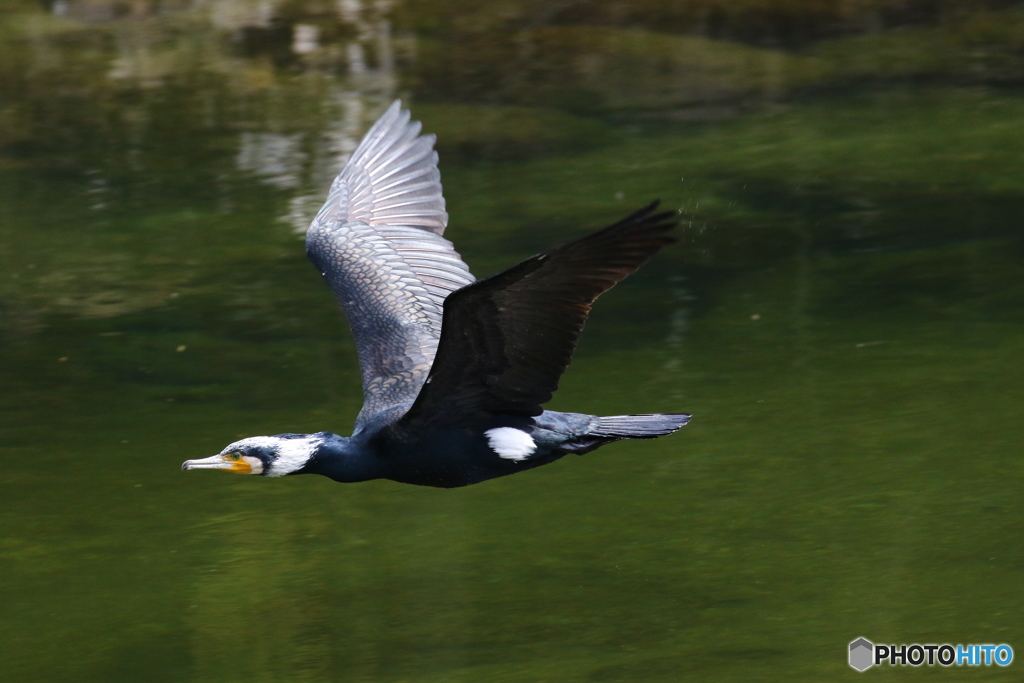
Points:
x=639, y=426
x=615, y=427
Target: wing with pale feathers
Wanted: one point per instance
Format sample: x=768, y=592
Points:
x=377, y=241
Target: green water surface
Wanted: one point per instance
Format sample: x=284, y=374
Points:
x=843, y=315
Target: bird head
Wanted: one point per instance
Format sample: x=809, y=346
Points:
x=271, y=456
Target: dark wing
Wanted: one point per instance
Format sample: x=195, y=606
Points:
x=507, y=339
x=377, y=241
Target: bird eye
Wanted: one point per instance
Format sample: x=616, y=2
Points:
x=236, y=456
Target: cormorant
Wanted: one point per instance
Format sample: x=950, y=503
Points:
x=455, y=371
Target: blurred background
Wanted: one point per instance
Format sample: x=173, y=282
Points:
x=843, y=315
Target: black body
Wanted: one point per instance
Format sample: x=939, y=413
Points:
x=448, y=457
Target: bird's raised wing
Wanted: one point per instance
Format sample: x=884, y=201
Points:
x=507, y=338
x=377, y=241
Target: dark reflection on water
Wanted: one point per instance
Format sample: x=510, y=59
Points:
x=842, y=315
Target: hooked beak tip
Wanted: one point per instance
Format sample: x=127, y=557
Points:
x=215, y=463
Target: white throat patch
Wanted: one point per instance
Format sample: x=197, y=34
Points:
x=292, y=454
x=511, y=443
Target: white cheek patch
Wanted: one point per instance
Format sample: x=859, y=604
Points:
x=254, y=463
x=292, y=454
x=511, y=443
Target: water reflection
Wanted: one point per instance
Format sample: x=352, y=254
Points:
x=254, y=598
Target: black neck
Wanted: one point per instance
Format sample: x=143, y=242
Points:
x=343, y=459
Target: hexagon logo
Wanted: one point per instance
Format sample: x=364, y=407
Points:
x=862, y=654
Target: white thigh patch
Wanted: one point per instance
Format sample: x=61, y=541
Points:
x=510, y=443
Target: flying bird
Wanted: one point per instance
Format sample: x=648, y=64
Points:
x=455, y=370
